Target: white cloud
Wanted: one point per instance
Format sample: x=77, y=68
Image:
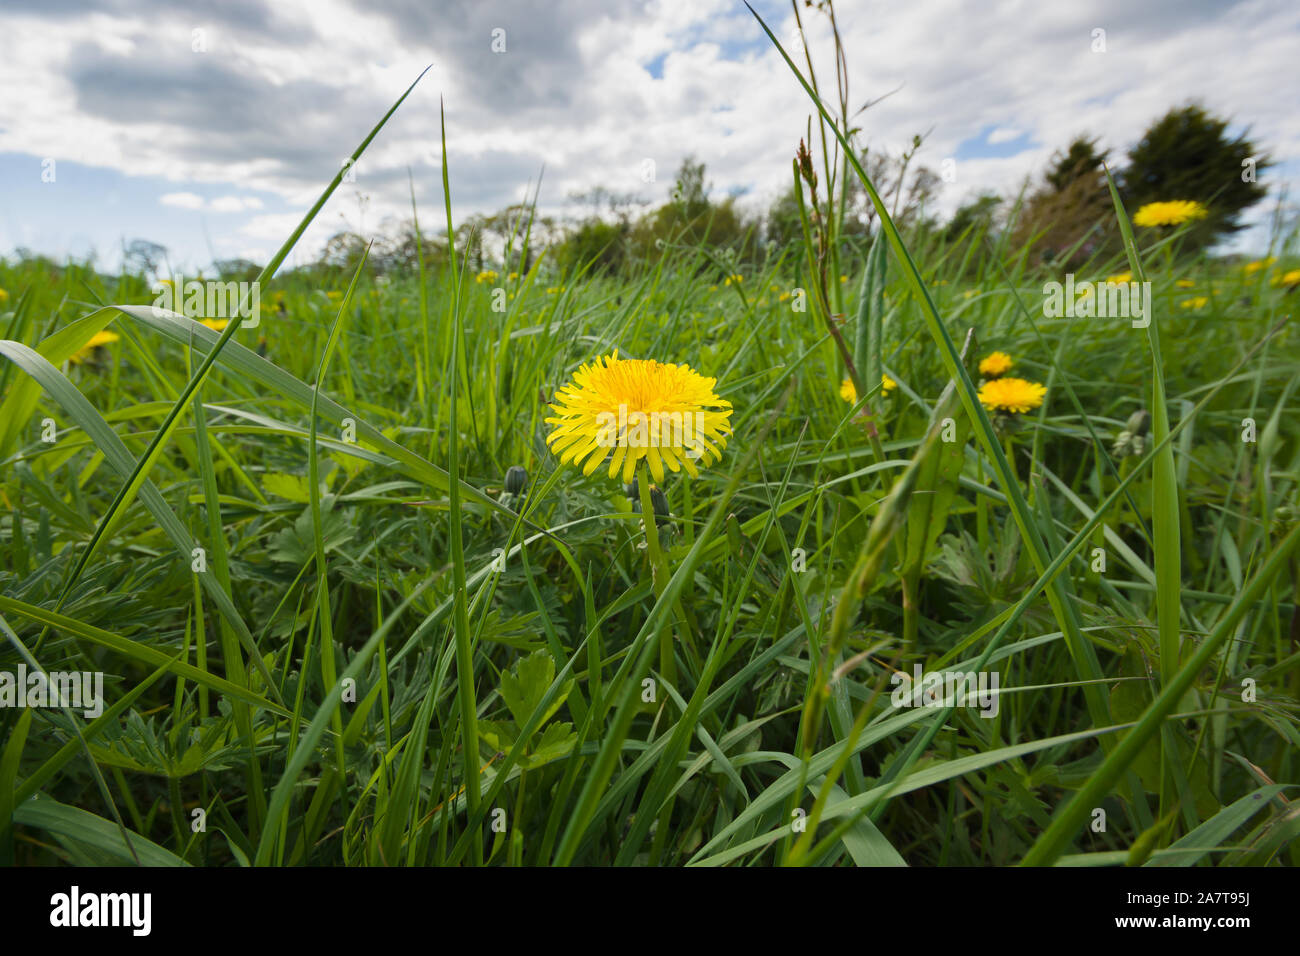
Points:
x=234, y=203
x=182, y=200
x=1003, y=134
x=283, y=94
x=228, y=204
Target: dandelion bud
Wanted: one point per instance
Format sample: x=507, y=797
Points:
x=1285, y=518
x=516, y=480
x=658, y=500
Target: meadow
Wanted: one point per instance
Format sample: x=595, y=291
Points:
x=352, y=608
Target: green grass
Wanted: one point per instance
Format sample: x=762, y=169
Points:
x=388, y=661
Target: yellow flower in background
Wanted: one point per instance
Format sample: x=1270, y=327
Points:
x=850, y=394
x=639, y=408
x=996, y=364
x=1250, y=268
x=487, y=275
x=217, y=325
x=1196, y=302
x=737, y=279
x=1185, y=284
x=1288, y=279
x=1120, y=277
x=512, y=277
x=1173, y=213
x=1011, y=395
x=94, y=342
x=4, y=296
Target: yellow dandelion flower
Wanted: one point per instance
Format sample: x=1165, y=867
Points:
x=850, y=394
x=1120, y=277
x=737, y=279
x=1173, y=213
x=1250, y=268
x=94, y=342
x=1196, y=302
x=1011, y=395
x=4, y=296
x=1185, y=284
x=487, y=275
x=217, y=325
x=783, y=297
x=639, y=408
x=996, y=364
x=102, y=338
x=1288, y=278
x=512, y=277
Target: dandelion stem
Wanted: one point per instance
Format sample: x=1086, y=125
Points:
x=658, y=571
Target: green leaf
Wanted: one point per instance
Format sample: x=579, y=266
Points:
x=1066, y=822
x=1164, y=496
x=940, y=463
x=19, y=404
x=297, y=545
x=865, y=843
x=92, y=831
x=1211, y=834
x=138, y=651
x=523, y=688
x=871, y=307
x=8, y=776
x=117, y=455
x=556, y=742
x=293, y=487
x=498, y=734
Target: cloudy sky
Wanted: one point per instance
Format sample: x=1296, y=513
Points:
x=210, y=127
